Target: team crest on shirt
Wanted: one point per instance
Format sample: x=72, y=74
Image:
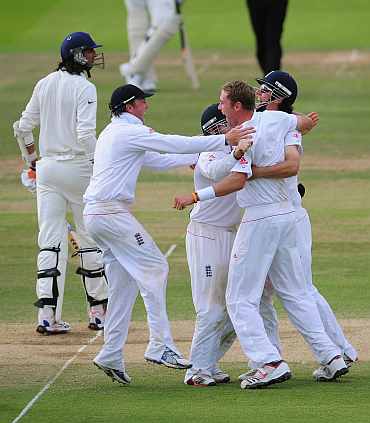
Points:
x=243, y=161
x=211, y=157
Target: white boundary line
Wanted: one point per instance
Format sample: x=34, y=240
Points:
x=51, y=381
x=170, y=250
x=69, y=362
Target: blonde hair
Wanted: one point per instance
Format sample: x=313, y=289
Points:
x=242, y=92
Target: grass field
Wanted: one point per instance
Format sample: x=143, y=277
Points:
x=327, y=51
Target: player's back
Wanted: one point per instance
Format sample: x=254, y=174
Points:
x=268, y=149
x=64, y=116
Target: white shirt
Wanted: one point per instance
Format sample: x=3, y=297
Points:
x=268, y=149
x=64, y=106
x=221, y=211
x=120, y=155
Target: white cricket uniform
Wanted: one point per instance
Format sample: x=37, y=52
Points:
x=132, y=260
x=266, y=245
x=150, y=24
x=209, y=239
x=304, y=244
x=64, y=106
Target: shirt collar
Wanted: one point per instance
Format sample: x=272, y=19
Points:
x=128, y=118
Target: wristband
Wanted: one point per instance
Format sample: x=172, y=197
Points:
x=206, y=193
x=195, y=197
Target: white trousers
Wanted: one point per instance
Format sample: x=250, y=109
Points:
x=331, y=325
x=60, y=186
x=133, y=263
x=208, y=251
x=150, y=23
x=267, y=246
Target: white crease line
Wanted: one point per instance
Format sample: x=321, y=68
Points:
x=51, y=381
x=170, y=250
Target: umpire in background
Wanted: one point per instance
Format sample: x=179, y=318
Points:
x=267, y=18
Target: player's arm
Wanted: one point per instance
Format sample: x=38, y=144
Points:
x=23, y=127
x=304, y=123
x=289, y=167
x=314, y=116
x=216, y=169
x=235, y=181
x=161, y=162
x=231, y=183
x=161, y=143
x=86, y=119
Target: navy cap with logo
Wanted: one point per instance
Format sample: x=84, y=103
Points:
x=282, y=85
x=125, y=94
x=76, y=40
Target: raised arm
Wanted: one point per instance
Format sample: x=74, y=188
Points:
x=289, y=167
x=161, y=162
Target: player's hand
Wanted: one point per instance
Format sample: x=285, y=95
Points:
x=242, y=147
x=28, y=179
x=314, y=116
x=181, y=202
x=238, y=133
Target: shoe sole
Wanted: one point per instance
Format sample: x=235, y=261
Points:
x=224, y=380
x=111, y=374
x=169, y=365
x=43, y=331
x=337, y=375
x=284, y=377
x=94, y=326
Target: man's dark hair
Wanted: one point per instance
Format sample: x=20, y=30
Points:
x=240, y=91
x=72, y=67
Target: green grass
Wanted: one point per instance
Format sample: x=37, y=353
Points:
x=158, y=395
x=220, y=25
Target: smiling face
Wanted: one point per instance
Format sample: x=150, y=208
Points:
x=138, y=108
x=228, y=108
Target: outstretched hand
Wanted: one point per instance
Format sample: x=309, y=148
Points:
x=238, y=133
x=314, y=116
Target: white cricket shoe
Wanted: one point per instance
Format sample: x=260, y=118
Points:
x=267, y=375
x=116, y=375
x=331, y=371
x=201, y=380
x=47, y=324
x=247, y=374
x=131, y=78
x=97, y=317
x=171, y=359
x=348, y=360
x=48, y=328
x=220, y=376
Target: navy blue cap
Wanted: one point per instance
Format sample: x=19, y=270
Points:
x=125, y=94
x=75, y=40
x=282, y=83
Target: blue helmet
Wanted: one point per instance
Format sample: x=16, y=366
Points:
x=282, y=86
x=74, y=44
x=212, y=120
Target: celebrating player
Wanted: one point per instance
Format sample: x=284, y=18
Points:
x=265, y=243
x=278, y=91
x=132, y=260
x=63, y=104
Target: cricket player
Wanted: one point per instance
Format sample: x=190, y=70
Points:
x=265, y=243
x=63, y=105
x=209, y=239
x=132, y=260
x=150, y=24
x=278, y=91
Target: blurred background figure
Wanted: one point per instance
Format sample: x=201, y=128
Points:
x=150, y=24
x=267, y=18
